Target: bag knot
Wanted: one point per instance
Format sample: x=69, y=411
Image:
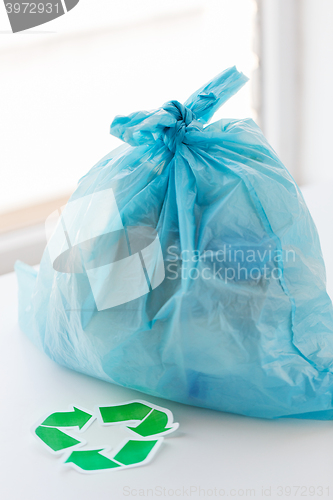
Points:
x=174, y=135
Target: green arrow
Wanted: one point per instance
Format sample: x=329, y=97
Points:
x=55, y=439
x=91, y=460
x=155, y=423
x=76, y=418
x=121, y=413
x=135, y=452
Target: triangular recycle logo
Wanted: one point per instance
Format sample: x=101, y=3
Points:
x=146, y=423
x=23, y=14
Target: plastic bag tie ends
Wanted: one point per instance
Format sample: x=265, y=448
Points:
x=173, y=120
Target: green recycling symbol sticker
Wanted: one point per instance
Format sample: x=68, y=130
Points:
x=146, y=423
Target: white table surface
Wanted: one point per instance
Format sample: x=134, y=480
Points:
x=222, y=454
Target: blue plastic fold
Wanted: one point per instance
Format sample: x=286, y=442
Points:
x=186, y=265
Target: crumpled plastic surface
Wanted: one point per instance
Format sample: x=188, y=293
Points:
x=249, y=343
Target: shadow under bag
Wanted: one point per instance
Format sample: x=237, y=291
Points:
x=186, y=265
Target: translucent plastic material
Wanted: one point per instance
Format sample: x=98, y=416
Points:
x=187, y=266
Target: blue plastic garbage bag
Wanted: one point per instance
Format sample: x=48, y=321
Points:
x=186, y=265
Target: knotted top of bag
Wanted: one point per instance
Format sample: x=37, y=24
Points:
x=174, y=121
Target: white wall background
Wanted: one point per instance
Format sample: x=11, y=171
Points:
x=62, y=83
x=317, y=92
x=297, y=84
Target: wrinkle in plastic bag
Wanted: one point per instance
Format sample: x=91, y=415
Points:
x=186, y=265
